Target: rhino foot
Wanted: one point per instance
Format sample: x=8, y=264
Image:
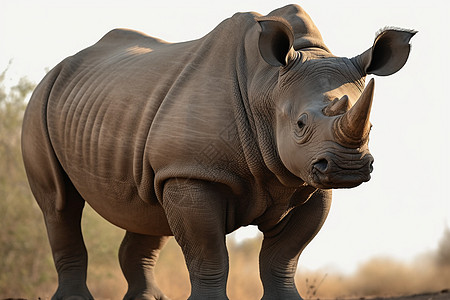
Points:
x=69, y=296
x=77, y=298
x=156, y=295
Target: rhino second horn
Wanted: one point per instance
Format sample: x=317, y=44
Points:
x=352, y=128
x=337, y=107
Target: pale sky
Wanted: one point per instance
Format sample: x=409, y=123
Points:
x=403, y=210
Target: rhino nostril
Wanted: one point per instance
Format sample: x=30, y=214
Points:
x=321, y=165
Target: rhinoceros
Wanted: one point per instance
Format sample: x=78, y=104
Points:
x=254, y=123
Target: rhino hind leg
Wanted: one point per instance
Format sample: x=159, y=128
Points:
x=69, y=252
x=65, y=236
x=138, y=255
x=60, y=202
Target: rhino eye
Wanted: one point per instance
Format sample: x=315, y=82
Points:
x=301, y=123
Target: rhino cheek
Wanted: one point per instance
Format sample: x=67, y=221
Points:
x=288, y=158
x=296, y=159
x=291, y=158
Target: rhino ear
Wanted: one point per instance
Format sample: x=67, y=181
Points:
x=275, y=41
x=388, y=54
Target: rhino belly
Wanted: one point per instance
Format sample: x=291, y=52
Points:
x=119, y=203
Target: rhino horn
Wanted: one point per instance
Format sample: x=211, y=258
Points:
x=337, y=107
x=353, y=127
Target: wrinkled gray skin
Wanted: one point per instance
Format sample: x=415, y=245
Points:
x=249, y=125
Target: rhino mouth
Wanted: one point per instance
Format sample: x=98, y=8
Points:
x=347, y=171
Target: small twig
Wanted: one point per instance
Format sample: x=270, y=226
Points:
x=313, y=288
x=320, y=283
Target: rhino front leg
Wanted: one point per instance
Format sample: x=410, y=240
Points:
x=283, y=245
x=138, y=255
x=196, y=213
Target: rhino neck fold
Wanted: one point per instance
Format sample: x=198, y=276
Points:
x=254, y=113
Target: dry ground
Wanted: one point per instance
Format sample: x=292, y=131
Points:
x=443, y=295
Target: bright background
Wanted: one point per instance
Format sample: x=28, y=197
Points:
x=404, y=209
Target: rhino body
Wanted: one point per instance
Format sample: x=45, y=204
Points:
x=251, y=124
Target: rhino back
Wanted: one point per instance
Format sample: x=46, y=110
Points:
x=132, y=106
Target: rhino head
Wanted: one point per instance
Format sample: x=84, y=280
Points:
x=322, y=105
